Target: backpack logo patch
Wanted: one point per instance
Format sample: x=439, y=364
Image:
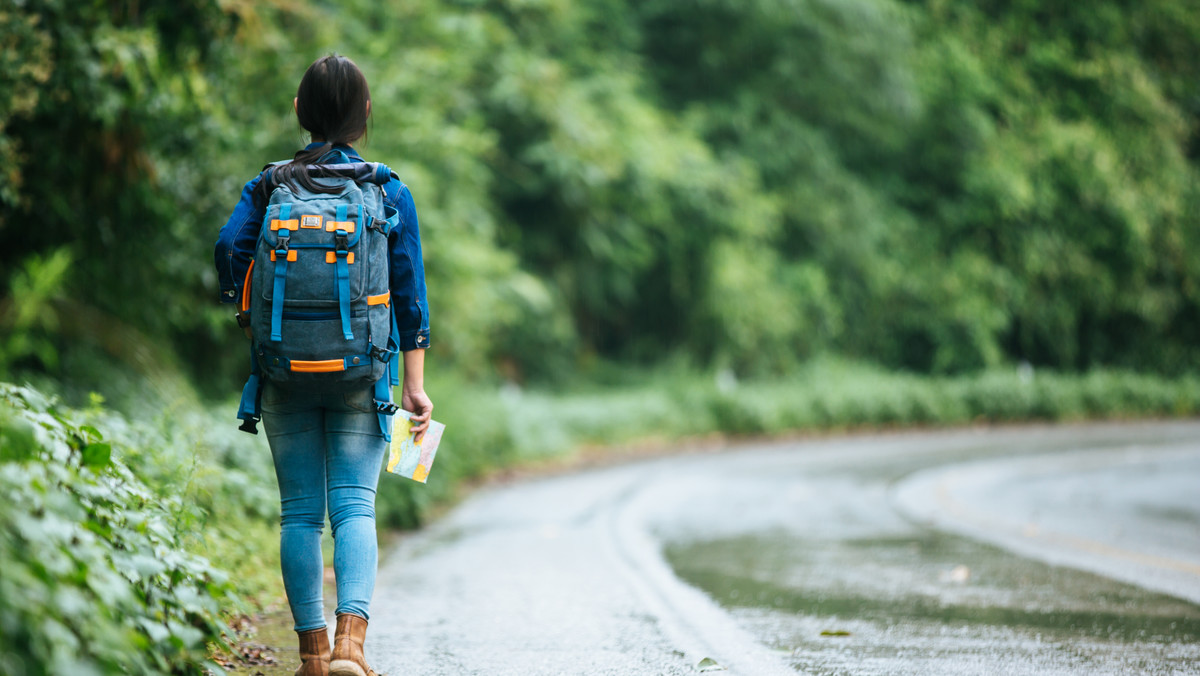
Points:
x=311, y=222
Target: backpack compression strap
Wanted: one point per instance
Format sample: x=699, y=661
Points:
x=341, y=253
x=384, y=404
x=281, y=256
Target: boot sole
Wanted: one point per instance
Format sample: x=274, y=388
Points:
x=345, y=668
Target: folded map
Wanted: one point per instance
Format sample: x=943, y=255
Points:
x=409, y=458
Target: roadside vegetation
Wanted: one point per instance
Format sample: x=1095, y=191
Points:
x=643, y=222
x=138, y=541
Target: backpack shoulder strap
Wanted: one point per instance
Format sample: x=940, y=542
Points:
x=262, y=191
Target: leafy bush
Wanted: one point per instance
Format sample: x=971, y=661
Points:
x=94, y=577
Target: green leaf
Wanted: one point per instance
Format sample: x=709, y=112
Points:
x=185, y=635
x=90, y=434
x=17, y=439
x=97, y=455
x=155, y=630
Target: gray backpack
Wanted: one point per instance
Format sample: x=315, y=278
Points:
x=317, y=290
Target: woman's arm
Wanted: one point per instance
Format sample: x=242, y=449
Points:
x=407, y=270
x=407, y=278
x=236, y=242
x=413, y=397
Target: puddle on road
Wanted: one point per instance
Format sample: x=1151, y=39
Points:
x=935, y=603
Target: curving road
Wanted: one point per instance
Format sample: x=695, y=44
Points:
x=1057, y=550
x=1130, y=512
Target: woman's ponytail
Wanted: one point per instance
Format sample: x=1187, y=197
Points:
x=296, y=171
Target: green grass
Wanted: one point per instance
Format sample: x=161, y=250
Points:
x=491, y=428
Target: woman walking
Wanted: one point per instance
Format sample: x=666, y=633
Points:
x=328, y=443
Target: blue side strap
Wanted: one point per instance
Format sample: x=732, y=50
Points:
x=390, y=379
x=393, y=221
x=383, y=402
x=394, y=346
x=248, y=409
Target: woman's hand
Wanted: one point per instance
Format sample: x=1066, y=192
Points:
x=418, y=402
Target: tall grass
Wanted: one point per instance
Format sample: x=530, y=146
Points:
x=490, y=428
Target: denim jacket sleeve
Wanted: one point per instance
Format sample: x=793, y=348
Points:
x=407, y=274
x=236, y=243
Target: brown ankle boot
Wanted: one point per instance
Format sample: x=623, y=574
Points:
x=347, y=658
x=314, y=652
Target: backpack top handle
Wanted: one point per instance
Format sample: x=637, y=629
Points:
x=359, y=172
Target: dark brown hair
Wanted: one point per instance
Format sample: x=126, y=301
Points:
x=332, y=104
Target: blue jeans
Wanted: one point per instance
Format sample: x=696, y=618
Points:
x=327, y=449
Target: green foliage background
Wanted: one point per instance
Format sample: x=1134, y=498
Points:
x=871, y=209
x=934, y=186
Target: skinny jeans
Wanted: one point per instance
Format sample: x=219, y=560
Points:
x=328, y=452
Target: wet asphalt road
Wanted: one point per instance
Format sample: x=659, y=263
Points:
x=1064, y=550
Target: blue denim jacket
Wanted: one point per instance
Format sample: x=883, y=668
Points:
x=236, y=243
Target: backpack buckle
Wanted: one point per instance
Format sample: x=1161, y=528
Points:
x=249, y=425
x=341, y=241
x=386, y=407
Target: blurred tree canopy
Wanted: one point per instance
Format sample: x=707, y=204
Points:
x=933, y=185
